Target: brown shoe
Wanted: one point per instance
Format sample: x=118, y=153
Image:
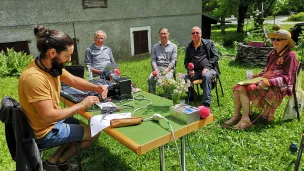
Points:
x=49, y=167
x=232, y=120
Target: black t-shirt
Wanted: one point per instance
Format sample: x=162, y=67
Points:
x=199, y=58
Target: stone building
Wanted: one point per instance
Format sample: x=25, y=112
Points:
x=131, y=26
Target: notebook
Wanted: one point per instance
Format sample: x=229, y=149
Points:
x=251, y=81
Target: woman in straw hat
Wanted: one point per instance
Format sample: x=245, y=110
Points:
x=277, y=82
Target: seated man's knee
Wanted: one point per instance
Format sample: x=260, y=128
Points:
x=87, y=135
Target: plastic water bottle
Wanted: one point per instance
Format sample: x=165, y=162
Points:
x=90, y=74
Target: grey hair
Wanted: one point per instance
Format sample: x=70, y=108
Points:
x=197, y=27
x=100, y=31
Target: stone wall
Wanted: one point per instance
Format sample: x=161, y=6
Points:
x=252, y=56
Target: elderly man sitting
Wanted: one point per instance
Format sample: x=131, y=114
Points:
x=164, y=56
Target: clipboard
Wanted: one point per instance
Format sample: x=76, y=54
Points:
x=251, y=81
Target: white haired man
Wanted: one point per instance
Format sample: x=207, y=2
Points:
x=97, y=56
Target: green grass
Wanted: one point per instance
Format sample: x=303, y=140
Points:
x=262, y=147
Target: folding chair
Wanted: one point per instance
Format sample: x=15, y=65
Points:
x=214, y=80
x=23, y=129
x=301, y=146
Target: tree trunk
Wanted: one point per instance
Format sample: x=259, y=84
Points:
x=223, y=24
x=242, y=13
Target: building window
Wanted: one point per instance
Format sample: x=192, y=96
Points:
x=21, y=46
x=140, y=40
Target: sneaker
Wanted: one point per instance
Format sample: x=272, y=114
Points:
x=49, y=167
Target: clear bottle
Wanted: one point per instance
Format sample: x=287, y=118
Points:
x=90, y=74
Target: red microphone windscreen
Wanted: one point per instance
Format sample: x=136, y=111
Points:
x=190, y=66
x=204, y=111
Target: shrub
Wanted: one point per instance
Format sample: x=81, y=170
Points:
x=296, y=17
x=228, y=41
x=13, y=63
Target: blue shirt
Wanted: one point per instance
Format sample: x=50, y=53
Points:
x=98, y=57
x=164, y=56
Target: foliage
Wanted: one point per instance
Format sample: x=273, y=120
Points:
x=13, y=63
x=299, y=49
x=258, y=20
x=253, y=36
x=296, y=17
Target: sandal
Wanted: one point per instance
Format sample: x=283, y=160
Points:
x=49, y=167
x=242, y=124
x=232, y=120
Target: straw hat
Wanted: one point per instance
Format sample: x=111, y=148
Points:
x=283, y=34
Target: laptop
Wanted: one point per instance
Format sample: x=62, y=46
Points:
x=76, y=70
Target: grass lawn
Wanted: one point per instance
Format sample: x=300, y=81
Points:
x=261, y=147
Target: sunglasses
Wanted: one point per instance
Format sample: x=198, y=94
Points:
x=193, y=33
x=273, y=39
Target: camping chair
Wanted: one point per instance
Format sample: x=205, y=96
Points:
x=299, y=69
x=301, y=147
x=9, y=104
x=214, y=80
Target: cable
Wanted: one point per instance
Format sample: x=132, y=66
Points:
x=143, y=98
x=158, y=117
x=193, y=154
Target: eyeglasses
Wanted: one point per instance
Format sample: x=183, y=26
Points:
x=273, y=39
x=99, y=38
x=193, y=33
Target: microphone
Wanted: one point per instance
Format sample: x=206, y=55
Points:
x=251, y=87
x=204, y=111
x=190, y=66
x=116, y=71
x=155, y=73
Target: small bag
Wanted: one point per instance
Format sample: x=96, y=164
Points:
x=116, y=123
x=290, y=110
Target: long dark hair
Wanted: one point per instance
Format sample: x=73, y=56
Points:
x=48, y=39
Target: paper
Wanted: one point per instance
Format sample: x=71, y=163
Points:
x=100, y=122
x=251, y=81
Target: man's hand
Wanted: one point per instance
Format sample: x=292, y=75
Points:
x=191, y=73
x=166, y=71
x=103, y=91
x=88, y=101
x=204, y=71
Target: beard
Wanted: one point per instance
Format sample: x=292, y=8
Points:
x=57, y=66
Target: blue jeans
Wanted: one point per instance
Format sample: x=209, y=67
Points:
x=65, y=131
x=206, y=84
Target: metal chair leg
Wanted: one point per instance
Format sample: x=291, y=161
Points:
x=221, y=85
x=198, y=93
x=297, y=164
x=216, y=92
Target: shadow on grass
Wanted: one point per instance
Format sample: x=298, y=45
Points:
x=101, y=159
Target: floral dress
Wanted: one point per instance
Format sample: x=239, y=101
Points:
x=279, y=71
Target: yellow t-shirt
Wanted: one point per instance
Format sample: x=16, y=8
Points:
x=35, y=85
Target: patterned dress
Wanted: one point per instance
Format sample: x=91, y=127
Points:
x=279, y=71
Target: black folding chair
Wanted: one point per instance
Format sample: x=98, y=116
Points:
x=214, y=80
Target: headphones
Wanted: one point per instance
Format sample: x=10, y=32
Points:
x=53, y=71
